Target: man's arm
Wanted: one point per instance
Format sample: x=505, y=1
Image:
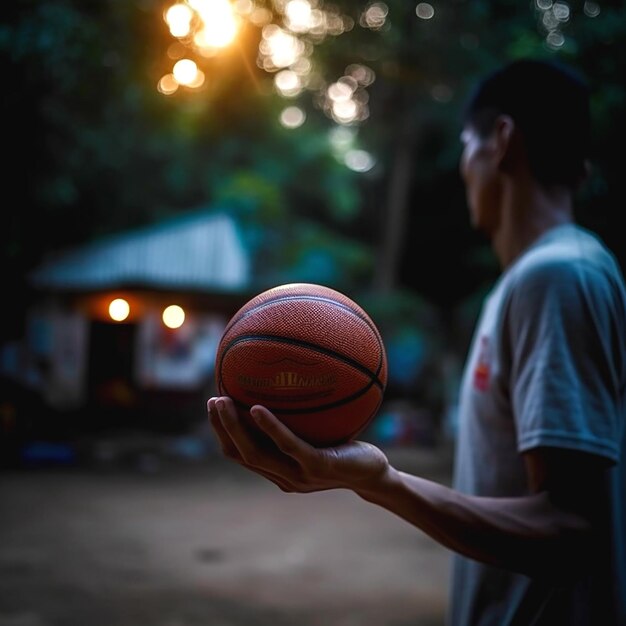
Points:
x=550, y=532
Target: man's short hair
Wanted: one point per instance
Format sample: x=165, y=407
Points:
x=549, y=103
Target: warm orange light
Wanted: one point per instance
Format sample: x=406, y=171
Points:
x=185, y=71
x=178, y=18
x=119, y=309
x=168, y=84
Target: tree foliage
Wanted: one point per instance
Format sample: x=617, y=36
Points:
x=94, y=148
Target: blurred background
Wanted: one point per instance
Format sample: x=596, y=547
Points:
x=166, y=161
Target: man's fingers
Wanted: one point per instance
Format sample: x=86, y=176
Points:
x=265, y=445
x=230, y=449
x=285, y=440
x=226, y=443
x=279, y=481
x=231, y=424
x=256, y=449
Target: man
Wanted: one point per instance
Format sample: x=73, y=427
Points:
x=537, y=515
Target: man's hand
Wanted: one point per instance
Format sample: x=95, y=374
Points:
x=288, y=461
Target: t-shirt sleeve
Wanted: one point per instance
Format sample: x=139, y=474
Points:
x=564, y=376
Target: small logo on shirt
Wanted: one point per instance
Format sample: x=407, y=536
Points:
x=482, y=369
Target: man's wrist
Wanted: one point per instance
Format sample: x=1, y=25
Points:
x=378, y=488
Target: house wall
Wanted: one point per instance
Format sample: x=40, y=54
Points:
x=56, y=357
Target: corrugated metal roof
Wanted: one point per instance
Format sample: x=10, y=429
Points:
x=201, y=250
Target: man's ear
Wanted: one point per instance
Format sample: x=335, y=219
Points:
x=508, y=143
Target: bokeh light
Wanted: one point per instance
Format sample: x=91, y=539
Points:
x=299, y=15
x=178, y=18
x=374, y=16
x=168, y=84
x=364, y=75
x=292, y=117
x=219, y=23
x=359, y=160
x=119, y=309
x=185, y=71
x=341, y=139
x=243, y=7
x=279, y=48
x=555, y=39
x=260, y=16
x=425, y=11
x=552, y=16
x=288, y=83
x=173, y=316
x=290, y=30
x=561, y=11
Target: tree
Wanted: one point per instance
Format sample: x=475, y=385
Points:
x=94, y=147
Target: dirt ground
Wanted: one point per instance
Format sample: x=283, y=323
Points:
x=208, y=544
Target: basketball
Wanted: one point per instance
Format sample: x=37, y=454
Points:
x=309, y=354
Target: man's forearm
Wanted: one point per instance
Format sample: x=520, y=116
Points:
x=526, y=534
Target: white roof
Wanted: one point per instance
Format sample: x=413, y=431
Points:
x=201, y=250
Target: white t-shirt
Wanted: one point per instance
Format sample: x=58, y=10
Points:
x=547, y=367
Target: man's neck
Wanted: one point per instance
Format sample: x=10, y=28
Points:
x=527, y=214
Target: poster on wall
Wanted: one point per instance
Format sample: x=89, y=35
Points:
x=180, y=358
x=65, y=384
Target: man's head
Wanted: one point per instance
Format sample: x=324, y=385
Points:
x=549, y=105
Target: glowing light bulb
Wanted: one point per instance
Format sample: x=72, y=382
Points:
x=173, y=316
x=119, y=309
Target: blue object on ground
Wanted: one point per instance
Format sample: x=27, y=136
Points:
x=48, y=452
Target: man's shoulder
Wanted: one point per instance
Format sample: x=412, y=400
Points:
x=566, y=276
x=567, y=255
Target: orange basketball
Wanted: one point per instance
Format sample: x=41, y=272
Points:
x=308, y=353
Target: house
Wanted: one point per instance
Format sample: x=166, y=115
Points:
x=129, y=324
